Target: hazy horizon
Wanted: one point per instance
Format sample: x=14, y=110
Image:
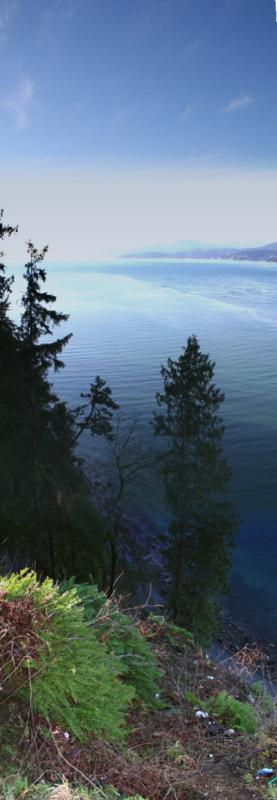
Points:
x=137, y=124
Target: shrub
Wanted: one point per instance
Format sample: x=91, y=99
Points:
x=124, y=642
x=232, y=712
x=59, y=660
x=178, y=631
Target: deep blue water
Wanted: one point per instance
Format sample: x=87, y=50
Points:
x=128, y=318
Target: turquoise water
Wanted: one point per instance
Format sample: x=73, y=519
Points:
x=128, y=318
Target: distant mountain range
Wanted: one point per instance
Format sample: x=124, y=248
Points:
x=267, y=252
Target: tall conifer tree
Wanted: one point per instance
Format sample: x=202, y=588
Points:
x=46, y=513
x=67, y=528
x=8, y=384
x=197, y=478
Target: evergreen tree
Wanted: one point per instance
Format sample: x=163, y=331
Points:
x=69, y=532
x=95, y=415
x=46, y=514
x=39, y=319
x=9, y=382
x=197, y=479
x=5, y=283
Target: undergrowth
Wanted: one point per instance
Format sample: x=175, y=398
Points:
x=123, y=641
x=19, y=788
x=53, y=659
x=234, y=713
x=71, y=662
x=231, y=712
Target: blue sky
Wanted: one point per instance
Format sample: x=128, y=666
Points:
x=130, y=86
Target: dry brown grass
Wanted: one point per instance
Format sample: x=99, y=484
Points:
x=61, y=792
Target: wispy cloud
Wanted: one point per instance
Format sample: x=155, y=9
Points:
x=187, y=111
x=19, y=101
x=240, y=103
x=7, y=10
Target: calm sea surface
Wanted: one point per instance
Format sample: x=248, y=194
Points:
x=128, y=318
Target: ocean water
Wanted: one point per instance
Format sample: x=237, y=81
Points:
x=127, y=318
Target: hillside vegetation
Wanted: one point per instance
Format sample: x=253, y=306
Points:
x=98, y=704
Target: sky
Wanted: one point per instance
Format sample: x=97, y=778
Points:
x=127, y=124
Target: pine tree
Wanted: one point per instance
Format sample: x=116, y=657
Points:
x=9, y=383
x=197, y=479
x=5, y=283
x=64, y=528
x=46, y=514
x=7, y=329
x=58, y=529
x=39, y=319
x=95, y=415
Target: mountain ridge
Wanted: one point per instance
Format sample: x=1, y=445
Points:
x=266, y=252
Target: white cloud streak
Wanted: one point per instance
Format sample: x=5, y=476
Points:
x=19, y=101
x=240, y=103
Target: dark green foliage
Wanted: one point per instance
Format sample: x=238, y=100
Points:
x=121, y=475
x=196, y=478
x=172, y=633
x=192, y=698
x=99, y=407
x=80, y=540
x=176, y=630
x=5, y=283
x=39, y=318
x=124, y=642
x=10, y=390
x=46, y=514
x=69, y=676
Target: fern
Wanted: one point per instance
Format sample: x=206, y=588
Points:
x=74, y=680
x=124, y=642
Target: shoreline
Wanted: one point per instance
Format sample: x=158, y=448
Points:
x=189, y=259
x=232, y=635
